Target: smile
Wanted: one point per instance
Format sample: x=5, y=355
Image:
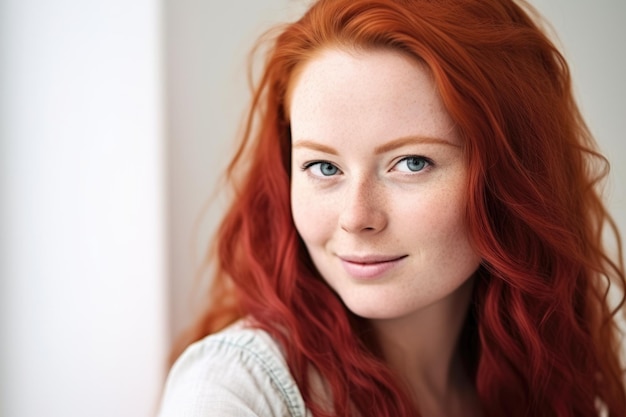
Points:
x=369, y=267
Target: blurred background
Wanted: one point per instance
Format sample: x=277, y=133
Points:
x=116, y=120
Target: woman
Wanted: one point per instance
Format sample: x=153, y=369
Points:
x=415, y=230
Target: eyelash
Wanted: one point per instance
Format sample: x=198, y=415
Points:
x=427, y=161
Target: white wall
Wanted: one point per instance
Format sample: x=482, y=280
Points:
x=82, y=303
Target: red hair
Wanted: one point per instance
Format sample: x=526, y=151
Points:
x=540, y=338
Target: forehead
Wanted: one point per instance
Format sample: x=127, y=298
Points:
x=343, y=92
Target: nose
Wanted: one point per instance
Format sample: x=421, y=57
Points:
x=364, y=208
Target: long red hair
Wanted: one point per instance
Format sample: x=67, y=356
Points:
x=540, y=338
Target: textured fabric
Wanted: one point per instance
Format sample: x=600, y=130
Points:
x=239, y=372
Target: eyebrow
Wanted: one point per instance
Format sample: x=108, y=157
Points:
x=387, y=147
x=309, y=144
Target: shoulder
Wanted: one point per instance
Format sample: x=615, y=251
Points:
x=239, y=371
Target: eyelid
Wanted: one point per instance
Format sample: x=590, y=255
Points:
x=309, y=164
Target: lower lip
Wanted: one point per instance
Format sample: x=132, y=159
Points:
x=369, y=271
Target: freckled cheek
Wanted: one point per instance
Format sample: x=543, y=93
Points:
x=434, y=217
x=451, y=236
x=312, y=217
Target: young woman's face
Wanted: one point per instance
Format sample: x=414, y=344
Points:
x=378, y=189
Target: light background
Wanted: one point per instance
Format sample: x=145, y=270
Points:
x=116, y=119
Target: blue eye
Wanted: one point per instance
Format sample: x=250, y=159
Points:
x=412, y=164
x=322, y=169
x=328, y=169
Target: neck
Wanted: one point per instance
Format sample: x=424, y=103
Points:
x=422, y=348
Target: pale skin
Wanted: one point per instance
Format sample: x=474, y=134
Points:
x=378, y=196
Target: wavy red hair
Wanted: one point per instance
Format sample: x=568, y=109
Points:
x=540, y=339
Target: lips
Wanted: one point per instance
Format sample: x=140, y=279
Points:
x=371, y=266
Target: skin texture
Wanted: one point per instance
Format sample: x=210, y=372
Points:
x=378, y=196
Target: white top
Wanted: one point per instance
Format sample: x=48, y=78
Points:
x=238, y=372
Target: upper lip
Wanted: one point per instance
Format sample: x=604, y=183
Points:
x=370, y=259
